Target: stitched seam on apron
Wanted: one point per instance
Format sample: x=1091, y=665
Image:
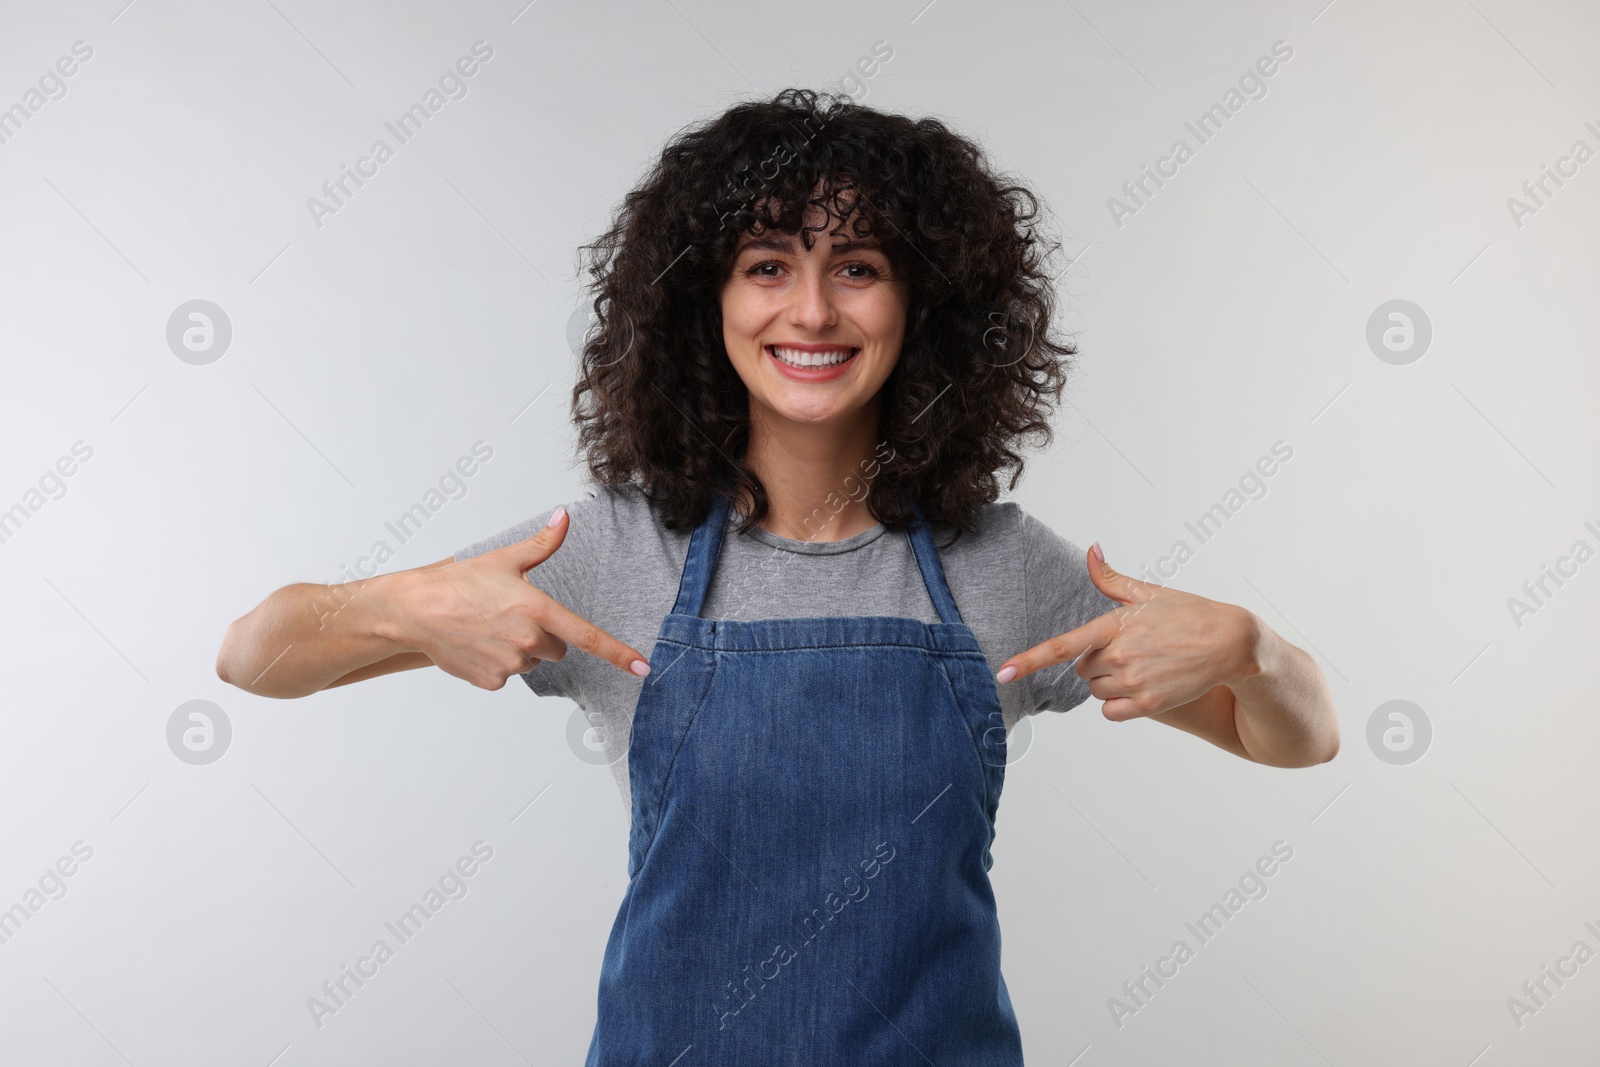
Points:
x=977, y=754
x=672, y=763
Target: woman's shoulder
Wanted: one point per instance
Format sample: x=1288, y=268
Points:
x=619, y=535
x=1002, y=527
x=599, y=516
x=1008, y=539
x=623, y=513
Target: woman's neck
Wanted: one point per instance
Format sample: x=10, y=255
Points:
x=816, y=475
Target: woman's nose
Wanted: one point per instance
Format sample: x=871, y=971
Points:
x=812, y=307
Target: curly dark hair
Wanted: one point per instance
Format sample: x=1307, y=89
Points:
x=658, y=403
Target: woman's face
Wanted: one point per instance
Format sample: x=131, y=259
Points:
x=838, y=310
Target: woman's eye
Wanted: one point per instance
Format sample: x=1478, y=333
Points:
x=771, y=268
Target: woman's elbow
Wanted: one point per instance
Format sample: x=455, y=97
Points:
x=231, y=657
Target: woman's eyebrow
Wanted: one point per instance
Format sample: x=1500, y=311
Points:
x=858, y=244
x=784, y=242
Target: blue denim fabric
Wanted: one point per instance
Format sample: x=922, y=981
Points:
x=813, y=805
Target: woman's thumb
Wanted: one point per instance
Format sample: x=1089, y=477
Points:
x=532, y=551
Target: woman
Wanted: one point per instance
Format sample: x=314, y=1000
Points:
x=822, y=332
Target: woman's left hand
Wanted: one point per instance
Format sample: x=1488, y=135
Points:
x=1161, y=649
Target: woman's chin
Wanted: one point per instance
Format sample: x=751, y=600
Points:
x=811, y=410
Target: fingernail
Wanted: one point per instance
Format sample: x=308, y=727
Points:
x=639, y=667
x=556, y=516
x=1099, y=553
x=1007, y=673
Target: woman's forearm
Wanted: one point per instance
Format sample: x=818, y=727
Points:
x=305, y=636
x=1284, y=711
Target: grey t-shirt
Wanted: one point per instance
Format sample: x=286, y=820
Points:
x=1015, y=581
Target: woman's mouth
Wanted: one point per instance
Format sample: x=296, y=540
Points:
x=812, y=363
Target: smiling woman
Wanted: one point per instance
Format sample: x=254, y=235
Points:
x=840, y=369
x=878, y=232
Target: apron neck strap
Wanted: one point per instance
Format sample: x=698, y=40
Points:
x=705, y=546
x=922, y=546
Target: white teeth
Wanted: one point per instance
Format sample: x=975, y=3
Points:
x=796, y=358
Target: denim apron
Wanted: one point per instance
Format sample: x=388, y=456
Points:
x=813, y=805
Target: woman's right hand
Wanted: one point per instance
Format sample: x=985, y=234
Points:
x=481, y=620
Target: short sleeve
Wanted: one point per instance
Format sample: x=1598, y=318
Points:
x=1059, y=596
x=561, y=577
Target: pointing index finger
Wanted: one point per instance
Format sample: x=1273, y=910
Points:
x=580, y=633
x=1063, y=648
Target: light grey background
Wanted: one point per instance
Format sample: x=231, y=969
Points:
x=431, y=312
